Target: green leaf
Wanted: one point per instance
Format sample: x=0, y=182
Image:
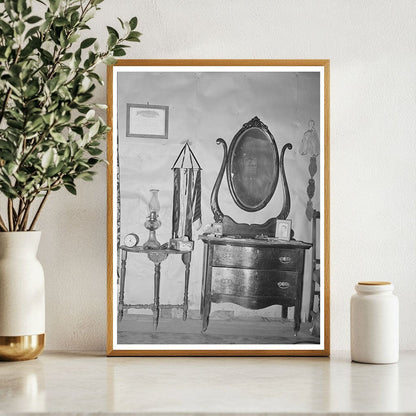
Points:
x=74, y=18
x=78, y=154
x=16, y=124
x=48, y=118
x=133, y=23
x=121, y=23
x=73, y=38
x=70, y=188
x=11, y=168
x=53, y=83
x=110, y=60
x=34, y=125
x=60, y=138
x=119, y=52
x=54, y=4
x=92, y=161
x=86, y=176
x=4, y=145
x=67, y=153
x=33, y=19
x=61, y=21
x=52, y=171
x=20, y=28
x=94, y=129
x=112, y=31
x=112, y=41
x=90, y=115
x=26, y=11
x=21, y=5
x=10, y=8
x=47, y=158
x=87, y=42
x=8, y=191
x=31, y=90
x=134, y=37
x=5, y=28
x=89, y=15
x=94, y=151
x=21, y=177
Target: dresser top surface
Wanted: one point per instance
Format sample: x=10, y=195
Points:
x=84, y=384
x=254, y=242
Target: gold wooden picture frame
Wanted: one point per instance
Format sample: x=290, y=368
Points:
x=176, y=290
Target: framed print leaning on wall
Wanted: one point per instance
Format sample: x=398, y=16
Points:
x=196, y=265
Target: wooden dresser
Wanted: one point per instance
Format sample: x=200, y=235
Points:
x=253, y=273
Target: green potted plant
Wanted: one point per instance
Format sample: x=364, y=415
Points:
x=50, y=136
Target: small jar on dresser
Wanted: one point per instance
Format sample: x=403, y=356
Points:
x=374, y=323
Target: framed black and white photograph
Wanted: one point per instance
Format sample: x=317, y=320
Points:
x=147, y=121
x=283, y=228
x=218, y=238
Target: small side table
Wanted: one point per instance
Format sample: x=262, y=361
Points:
x=157, y=256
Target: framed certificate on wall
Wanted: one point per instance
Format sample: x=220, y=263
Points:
x=144, y=120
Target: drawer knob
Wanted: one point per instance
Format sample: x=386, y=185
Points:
x=285, y=259
x=283, y=285
x=226, y=281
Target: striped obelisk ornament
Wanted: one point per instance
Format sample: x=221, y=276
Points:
x=186, y=193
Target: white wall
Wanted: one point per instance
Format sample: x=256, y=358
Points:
x=371, y=45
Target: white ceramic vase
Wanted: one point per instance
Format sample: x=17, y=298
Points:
x=22, y=296
x=374, y=323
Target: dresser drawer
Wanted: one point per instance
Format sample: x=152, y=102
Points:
x=247, y=282
x=266, y=258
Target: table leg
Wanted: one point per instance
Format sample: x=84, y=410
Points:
x=156, y=257
x=204, y=268
x=186, y=259
x=156, y=292
x=122, y=282
x=206, y=307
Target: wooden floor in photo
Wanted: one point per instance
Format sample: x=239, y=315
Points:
x=138, y=329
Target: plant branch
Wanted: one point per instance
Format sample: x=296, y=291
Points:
x=26, y=216
x=2, y=225
x=20, y=212
x=10, y=213
x=35, y=218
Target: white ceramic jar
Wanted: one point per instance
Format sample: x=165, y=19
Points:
x=374, y=323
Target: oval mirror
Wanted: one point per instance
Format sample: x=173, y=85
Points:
x=253, y=166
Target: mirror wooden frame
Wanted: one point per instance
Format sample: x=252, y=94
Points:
x=113, y=349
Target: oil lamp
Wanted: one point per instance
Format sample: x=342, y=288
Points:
x=153, y=223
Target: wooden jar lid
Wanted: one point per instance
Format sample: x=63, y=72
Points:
x=374, y=283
